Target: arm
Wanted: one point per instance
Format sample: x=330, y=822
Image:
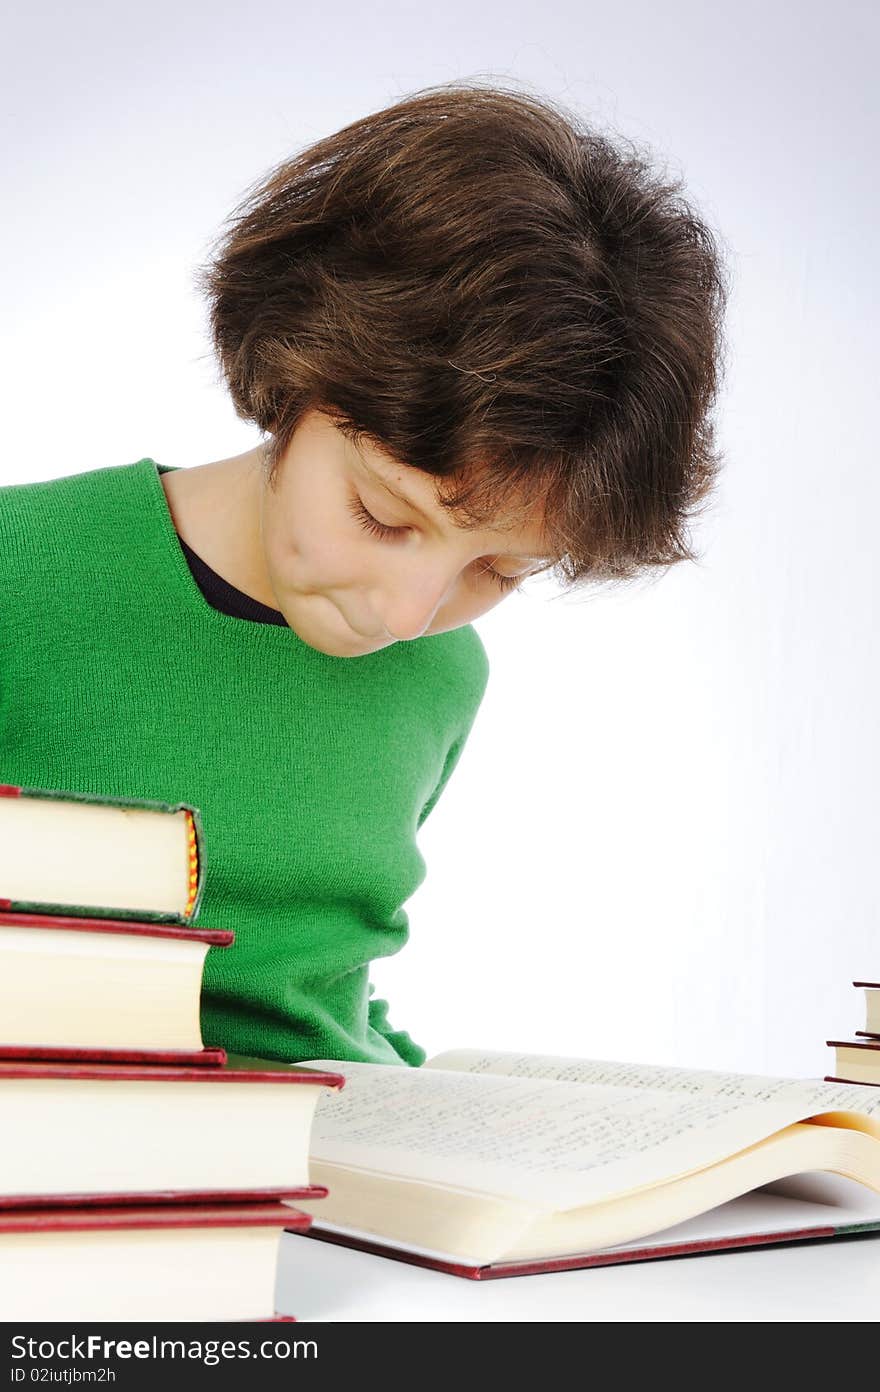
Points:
x=410, y=1052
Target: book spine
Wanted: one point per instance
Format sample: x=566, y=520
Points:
x=197, y=860
x=193, y=857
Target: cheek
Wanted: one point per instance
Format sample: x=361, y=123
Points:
x=302, y=553
x=482, y=604
x=282, y=552
x=467, y=605
x=473, y=601
x=280, y=546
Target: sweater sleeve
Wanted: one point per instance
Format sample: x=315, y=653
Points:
x=480, y=678
x=450, y=762
x=410, y=1052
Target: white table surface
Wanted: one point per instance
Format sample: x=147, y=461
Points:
x=838, y=1280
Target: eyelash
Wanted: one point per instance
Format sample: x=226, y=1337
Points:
x=377, y=528
x=371, y=523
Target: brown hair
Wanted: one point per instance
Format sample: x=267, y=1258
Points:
x=493, y=294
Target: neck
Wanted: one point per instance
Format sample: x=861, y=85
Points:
x=216, y=510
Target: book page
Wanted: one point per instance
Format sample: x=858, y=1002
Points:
x=817, y=1200
x=552, y=1144
x=754, y=1086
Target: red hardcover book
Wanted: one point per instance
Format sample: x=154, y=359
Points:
x=146, y=1263
x=872, y=1008
x=857, y=1060
x=77, y=987
x=89, y=1133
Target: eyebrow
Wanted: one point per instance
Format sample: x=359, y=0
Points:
x=408, y=502
x=395, y=493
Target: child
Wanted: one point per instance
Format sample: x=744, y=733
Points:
x=481, y=342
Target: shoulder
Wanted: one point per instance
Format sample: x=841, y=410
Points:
x=71, y=499
x=59, y=525
x=444, y=675
x=458, y=661
x=472, y=656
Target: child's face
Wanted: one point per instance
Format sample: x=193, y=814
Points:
x=348, y=590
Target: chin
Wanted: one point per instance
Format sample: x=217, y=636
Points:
x=347, y=641
x=326, y=630
x=355, y=646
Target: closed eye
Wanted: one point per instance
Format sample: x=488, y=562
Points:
x=372, y=525
x=504, y=582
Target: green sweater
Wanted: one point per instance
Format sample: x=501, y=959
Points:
x=312, y=773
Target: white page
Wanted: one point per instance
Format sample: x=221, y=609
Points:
x=810, y=1201
x=606, y=1072
x=551, y=1144
x=814, y=1200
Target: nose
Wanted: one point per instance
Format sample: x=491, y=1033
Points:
x=410, y=610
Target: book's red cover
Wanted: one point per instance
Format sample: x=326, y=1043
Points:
x=193, y=1058
x=495, y=1270
x=871, y=985
x=228, y=1073
x=853, y=1082
x=193, y=1215
x=217, y=937
x=140, y=1198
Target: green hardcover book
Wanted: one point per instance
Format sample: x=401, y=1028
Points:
x=74, y=854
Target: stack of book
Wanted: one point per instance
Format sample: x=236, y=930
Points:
x=858, y=1060
x=142, y=1175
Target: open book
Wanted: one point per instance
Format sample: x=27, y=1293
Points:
x=493, y=1164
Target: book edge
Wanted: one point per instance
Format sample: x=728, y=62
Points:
x=581, y=1261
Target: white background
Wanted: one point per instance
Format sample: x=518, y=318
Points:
x=660, y=843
